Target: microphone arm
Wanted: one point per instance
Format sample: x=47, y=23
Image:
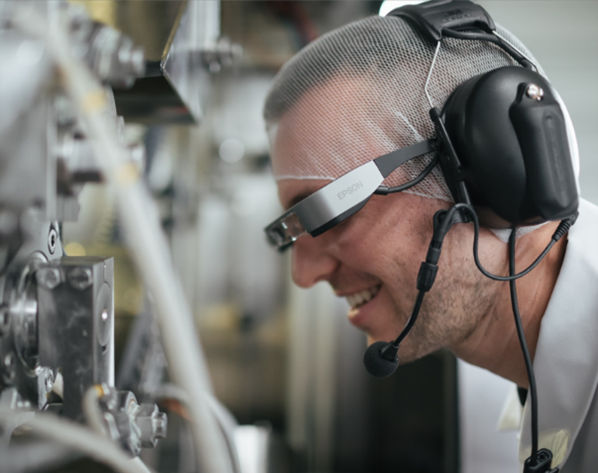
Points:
x=381, y=359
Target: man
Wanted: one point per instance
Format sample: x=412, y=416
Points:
x=365, y=90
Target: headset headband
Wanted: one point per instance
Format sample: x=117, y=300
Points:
x=460, y=19
x=434, y=19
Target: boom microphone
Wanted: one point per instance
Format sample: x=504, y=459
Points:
x=380, y=359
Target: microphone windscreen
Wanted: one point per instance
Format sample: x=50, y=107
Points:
x=376, y=363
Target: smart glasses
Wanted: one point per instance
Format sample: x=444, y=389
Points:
x=344, y=196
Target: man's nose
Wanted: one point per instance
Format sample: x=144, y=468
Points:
x=310, y=262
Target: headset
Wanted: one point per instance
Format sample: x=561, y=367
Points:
x=504, y=135
x=503, y=147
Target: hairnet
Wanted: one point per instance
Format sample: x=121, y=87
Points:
x=383, y=63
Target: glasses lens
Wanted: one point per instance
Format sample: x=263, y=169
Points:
x=284, y=231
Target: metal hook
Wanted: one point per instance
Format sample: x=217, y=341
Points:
x=430, y=74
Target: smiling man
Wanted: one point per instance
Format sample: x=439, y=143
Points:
x=363, y=92
x=373, y=257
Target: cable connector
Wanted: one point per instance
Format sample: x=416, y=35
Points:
x=443, y=222
x=539, y=463
x=564, y=227
x=426, y=276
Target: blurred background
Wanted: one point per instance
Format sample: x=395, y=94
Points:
x=281, y=359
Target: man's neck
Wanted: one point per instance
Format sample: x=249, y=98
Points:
x=494, y=345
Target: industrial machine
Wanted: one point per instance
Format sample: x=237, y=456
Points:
x=60, y=130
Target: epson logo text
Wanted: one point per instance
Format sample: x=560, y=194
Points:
x=349, y=190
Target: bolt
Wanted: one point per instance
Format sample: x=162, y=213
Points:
x=48, y=277
x=534, y=92
x=4, y=319
x=80, y=278
x=52, y=240
x=8, y=368
x=161, y=424
x=152, y=423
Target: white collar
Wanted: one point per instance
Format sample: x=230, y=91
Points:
x=565, y=360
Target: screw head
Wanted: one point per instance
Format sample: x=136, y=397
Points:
x=534, y=92
x=52, y=240
x=48, y=277
x=80, y=278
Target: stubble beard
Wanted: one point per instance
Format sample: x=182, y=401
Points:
x=449, y=315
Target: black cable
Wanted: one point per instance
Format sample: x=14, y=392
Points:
x=522, y=341
x=561, y=230
x=512, y=277
x=384, y=190
x=412, y=318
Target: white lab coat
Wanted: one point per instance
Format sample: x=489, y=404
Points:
x=488, y=427
x=566, y=358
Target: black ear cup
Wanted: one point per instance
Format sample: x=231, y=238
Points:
x=509, y=134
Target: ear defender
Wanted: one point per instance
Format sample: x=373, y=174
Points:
x=502, y=136
x=509, y=134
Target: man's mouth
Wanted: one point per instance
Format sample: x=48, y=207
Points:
x=357, y=299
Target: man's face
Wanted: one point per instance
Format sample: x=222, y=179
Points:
x=372, y=258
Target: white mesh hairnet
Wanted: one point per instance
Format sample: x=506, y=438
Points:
x=369, y=77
